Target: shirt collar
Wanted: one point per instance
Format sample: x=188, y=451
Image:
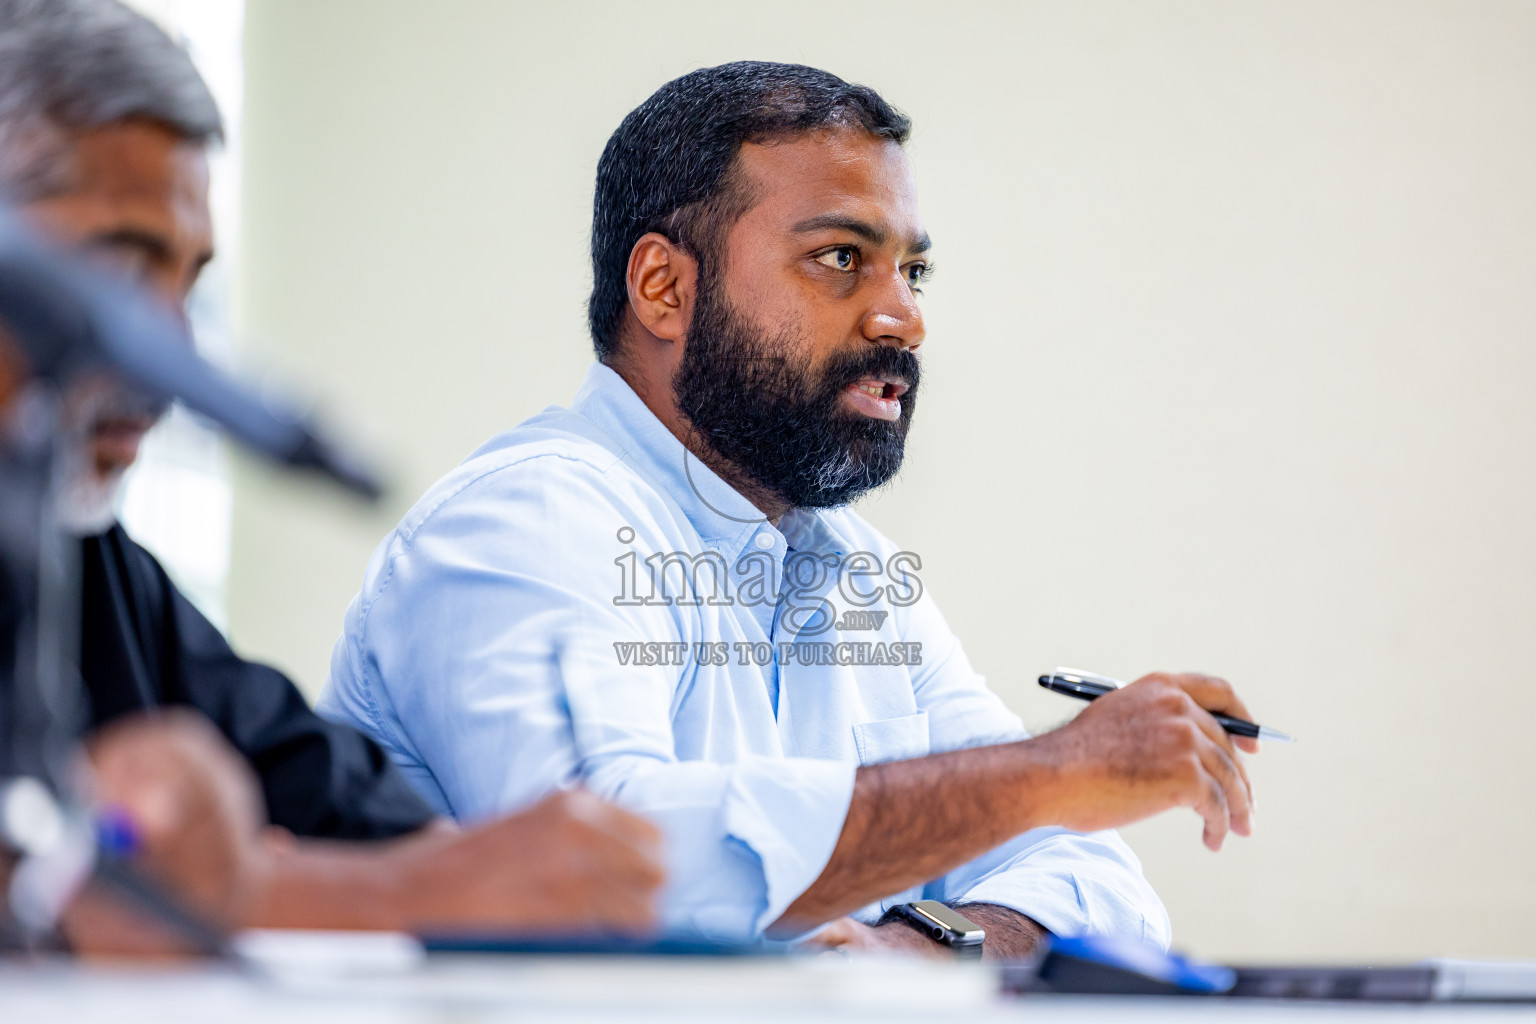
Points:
x=808, y=530
x=719, y=513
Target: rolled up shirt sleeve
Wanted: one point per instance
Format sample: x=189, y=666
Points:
x=1071, y=883
x=744, y=838
x=486, y=662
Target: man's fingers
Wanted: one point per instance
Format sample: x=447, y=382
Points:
x=609, y=818
x=841, y=932
x=171, y=769
x=624, y=825
x=1223, y=739
x=1220, y=767
x=1217, y=696
x=621, y=907
x=628, y=913
x=599, y=853
x=620, y=844
x=1212, y=806
x=625, y=864
x=1213, y=693
x=592, y=839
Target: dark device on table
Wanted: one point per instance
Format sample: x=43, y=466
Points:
x=1103, y=965
x=942, y=924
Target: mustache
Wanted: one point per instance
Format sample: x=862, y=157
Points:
x=124, y=403
x=882, y=362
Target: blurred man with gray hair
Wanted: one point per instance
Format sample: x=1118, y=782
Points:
x=105, y=126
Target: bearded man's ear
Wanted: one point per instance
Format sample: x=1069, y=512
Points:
x=662, y=280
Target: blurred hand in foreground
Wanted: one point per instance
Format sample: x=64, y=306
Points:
x=570, y=864
x=196, y=817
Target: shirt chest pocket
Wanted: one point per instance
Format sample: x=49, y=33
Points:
x=892, y=739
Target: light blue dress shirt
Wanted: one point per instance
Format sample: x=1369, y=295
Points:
x=583, y=602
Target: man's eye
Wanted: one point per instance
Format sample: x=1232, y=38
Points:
x=844, y=258
x=917, y=273
x=124, y=261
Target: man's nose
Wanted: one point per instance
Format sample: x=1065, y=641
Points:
x=894, y=318
x=168, y=291
x=172, y=296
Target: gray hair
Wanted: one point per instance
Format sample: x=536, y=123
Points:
x=68, y=66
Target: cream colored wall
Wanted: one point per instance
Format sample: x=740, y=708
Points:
x=1230, y=366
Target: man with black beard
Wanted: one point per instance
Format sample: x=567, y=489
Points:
x=748, y=404
x=661, y=594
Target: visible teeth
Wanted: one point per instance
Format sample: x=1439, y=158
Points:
x=878, y=390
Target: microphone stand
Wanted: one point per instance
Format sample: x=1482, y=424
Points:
x=43, y=815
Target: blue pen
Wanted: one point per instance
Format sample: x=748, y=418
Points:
x=117, y=837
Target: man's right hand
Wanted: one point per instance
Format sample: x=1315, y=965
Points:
x=194, y=804
x=1149, y=747
x=1129, y=755
x=195, y=811
x=570, y=864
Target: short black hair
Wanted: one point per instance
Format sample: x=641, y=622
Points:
x=667, y=168
x=68, y=66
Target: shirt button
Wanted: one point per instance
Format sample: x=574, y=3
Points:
x=765, y=540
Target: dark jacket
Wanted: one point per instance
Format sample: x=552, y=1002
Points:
x=143, y=645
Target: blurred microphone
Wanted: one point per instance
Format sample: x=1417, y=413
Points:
x=68, y=318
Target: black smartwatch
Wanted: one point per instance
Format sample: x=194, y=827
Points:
x=941, y=924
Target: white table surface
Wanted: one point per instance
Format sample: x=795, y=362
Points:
x=466, y=990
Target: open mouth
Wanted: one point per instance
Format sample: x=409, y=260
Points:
x=876, y=398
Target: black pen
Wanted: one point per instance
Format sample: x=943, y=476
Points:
x=1071, y=682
